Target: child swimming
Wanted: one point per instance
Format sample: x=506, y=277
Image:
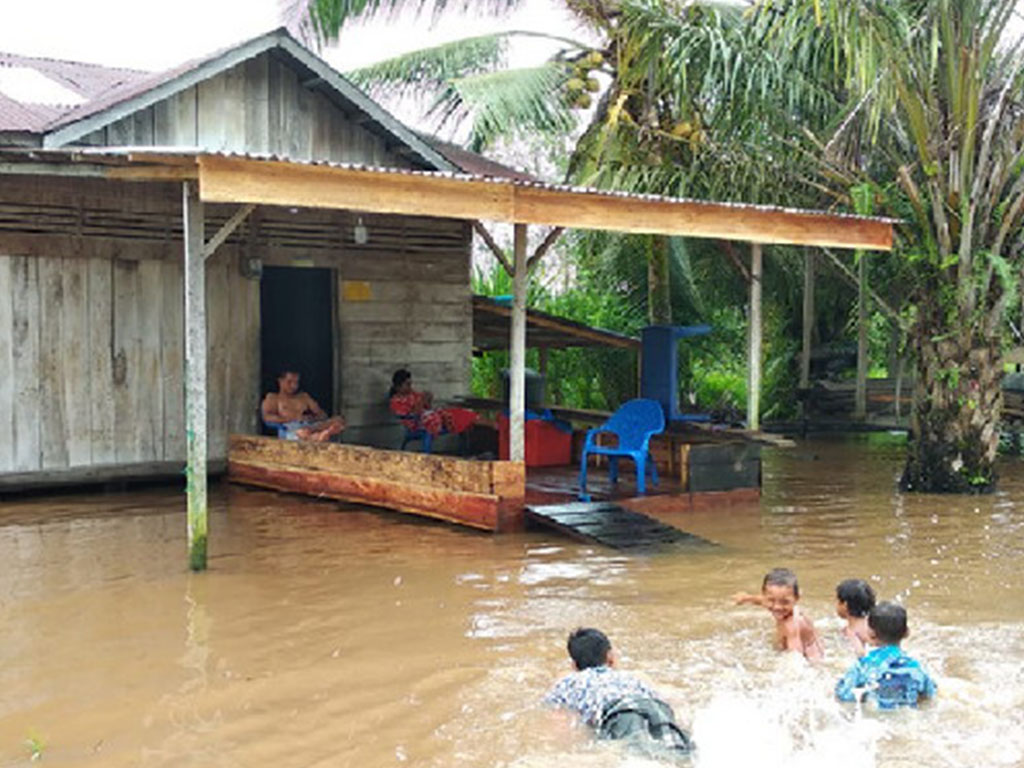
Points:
x=616, y=704
x=886, y=676
x=780, y=593
x=854, y=600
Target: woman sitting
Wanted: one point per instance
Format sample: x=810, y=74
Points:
x=416, y=412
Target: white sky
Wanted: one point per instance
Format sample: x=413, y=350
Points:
x=155, y=36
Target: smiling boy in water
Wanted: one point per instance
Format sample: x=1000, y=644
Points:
x=780, y=593
x=854, y=600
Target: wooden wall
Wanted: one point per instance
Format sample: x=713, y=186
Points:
x=259, y=106
x=92, y=352
x=91, y=325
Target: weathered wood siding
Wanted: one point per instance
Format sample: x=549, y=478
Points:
x=260, y=106
x=91, y=319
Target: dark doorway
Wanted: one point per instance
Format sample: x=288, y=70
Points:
x=297, y=322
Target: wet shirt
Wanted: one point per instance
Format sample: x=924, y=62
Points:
x=886, y=677
x=590, y=691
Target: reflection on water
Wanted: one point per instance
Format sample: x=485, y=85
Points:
x=329, y=635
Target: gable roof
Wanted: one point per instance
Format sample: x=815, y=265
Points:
x=112, y=94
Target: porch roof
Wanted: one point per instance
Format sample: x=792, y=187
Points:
x=273, y=180
x=492, y=319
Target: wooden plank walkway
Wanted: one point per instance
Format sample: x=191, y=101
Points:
x=611, y=525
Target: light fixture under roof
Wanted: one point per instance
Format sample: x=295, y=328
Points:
x=359, y=232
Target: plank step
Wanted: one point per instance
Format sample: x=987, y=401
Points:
x=612, y=526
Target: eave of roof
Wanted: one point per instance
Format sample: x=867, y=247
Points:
x=273, y=180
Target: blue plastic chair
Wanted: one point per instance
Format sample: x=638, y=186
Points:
x=633, y=423
x=412, y=435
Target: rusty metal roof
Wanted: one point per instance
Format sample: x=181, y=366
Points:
x=88, y=81
x=474, y=163
x=492, y=316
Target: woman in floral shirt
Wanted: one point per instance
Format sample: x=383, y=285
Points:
x=416, y=411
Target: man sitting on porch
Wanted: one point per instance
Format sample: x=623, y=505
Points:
x=295, y=414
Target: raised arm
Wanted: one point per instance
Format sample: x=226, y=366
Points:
x=746, y=598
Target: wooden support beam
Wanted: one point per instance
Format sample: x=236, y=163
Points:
x=242, y=180
x=754, y=352
x=544, y=247
x=225, y=231
x=237, y=180
x=499, y=254
x=195, y=375
x=860, y=392
x=517, y=351
x=543, y=355
x=808, y=326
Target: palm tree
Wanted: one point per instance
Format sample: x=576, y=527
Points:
x=934, y=134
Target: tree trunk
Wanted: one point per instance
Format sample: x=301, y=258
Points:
x=659, y=296
x=954, y=428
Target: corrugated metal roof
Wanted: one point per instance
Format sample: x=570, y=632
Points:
x=474, y=163
x=152, y=155
x=88, y=81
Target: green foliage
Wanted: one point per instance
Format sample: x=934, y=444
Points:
x=35, y=746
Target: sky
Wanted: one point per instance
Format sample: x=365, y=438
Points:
x=155, y=36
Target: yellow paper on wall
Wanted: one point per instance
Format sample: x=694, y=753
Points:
x=356, y=290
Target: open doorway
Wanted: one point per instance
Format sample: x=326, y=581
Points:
x=297, y=329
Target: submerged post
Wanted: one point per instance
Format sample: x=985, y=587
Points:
x=754, y=356
x=860, y=395
x=808, y=326
x=517, y=351
x=195, y=375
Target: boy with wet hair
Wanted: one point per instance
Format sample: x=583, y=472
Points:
x=886, y=676
x=794, y=631
x=854, y=600
x=617, y=705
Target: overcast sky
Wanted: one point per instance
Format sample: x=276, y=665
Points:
x=154, y=36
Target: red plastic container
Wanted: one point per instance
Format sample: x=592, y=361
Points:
x=546, y=444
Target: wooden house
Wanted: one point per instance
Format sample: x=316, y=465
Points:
x=91, y=270
x=170, y=241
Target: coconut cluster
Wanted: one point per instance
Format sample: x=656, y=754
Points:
x=581, y=84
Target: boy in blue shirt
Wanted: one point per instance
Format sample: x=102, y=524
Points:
x=886, y=676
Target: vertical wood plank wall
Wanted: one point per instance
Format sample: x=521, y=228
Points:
x=259, y=106
x=91, y=355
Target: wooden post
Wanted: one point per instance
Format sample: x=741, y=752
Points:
x=860, y=396
x=195, y=375
x=754, y=357
x=808, y=327
x=543, y=355
x=517, y=351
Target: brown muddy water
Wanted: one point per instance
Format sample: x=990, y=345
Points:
x=333, y=636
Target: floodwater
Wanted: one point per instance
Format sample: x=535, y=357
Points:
x=331, y=636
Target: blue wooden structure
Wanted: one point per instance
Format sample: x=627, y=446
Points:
x=659, y=373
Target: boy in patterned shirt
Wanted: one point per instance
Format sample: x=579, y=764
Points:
x=614, y=703
x=886, y=676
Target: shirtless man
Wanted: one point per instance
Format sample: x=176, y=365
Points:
x=793, y=630
x=299, y=414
